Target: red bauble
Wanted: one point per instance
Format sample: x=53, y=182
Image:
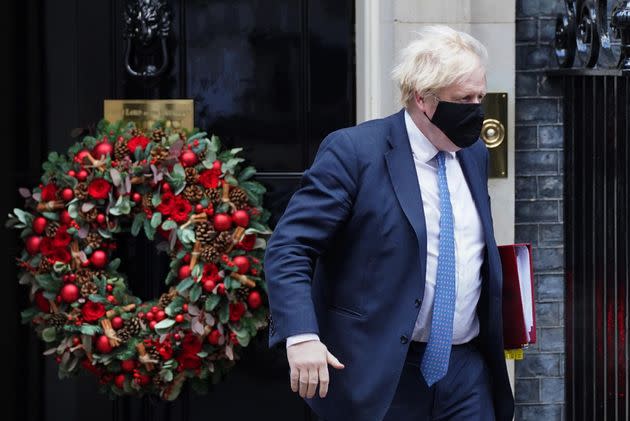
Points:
x=128, y=365
x=152, y=324
x=69, y=293
x=102, y=345
x=101, y=149
x=136, y=197
x=41, y=302
x=33, y=243
x=117, y=322
x=221, y=289
x=39, y=225
x=184, y=272
x=241, y=218
x=189, y=158
x=217, y=165
x=82, y=155
x=214, y=336
x=242, y=263
x=65, y=217
x=179, y=318
x=160, y=315
x=222, y=222
x=67, y=194
x=100, y=218
x=119, y=381
x=150, y=316
x=98, y=259
x=82, y=175
x=209, y=285
x=254, y=300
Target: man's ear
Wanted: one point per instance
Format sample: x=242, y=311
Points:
x=419, y=100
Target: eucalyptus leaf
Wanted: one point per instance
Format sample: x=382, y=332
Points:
x=169, y=224
x=49, y=334
x=184, y=285
x=164, y=326
x=137, y=223
x=224, y=313
x=212, y=301
x=246, y=174
x=149, y=231
x=116, y=177
x=156, y=219
x=195, y=292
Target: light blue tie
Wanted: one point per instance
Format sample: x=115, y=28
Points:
x=437, y=353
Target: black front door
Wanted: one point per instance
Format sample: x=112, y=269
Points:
x=272, y=76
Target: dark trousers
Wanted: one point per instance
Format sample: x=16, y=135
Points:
x=463, y=394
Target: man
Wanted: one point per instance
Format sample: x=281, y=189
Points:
x=384, y=265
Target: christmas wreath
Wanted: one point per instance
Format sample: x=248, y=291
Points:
x=186, y=192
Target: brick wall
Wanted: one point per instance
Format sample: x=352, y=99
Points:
x=539, y=168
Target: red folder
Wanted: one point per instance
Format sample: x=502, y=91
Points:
x=519, y=308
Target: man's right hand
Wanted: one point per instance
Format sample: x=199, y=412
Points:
x=309, y=367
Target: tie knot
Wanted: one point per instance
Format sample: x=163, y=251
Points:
x=440, y=158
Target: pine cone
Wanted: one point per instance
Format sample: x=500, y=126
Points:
x=238, y=197
x=51, y=228
x=136, y=132
x=157, y=135
x=44, y=266
x=193, y=193
x=94, y=240
x=242, y=294
x=84, y=275
x=223, y=241
x=210, y=254
x=165, y=300
x=191, y=175
x=57, y=320
x=147, y=201
x=213, y=195
x=89, y=216
x=123, y=334
x=158, y=382
x=81, y=191
x=120, y=149
x=154, y=353
x=205, y=233
x=159, y=153
x=133, y=326
x=88, y=289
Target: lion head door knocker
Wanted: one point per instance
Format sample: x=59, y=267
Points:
x=147, y=27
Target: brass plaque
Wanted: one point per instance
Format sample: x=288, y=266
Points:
x=494, y=132
x=175, y=113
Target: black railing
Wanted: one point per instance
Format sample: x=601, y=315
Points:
x=596, y=129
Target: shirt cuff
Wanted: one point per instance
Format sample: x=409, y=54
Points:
x=304, y=337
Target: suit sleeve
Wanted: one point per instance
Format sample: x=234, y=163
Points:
x=311, y=219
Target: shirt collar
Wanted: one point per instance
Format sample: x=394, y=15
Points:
x=421, y=147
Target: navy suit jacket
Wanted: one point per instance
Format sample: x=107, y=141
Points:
x=347, y=261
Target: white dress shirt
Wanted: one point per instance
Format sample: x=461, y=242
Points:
x=469, y=241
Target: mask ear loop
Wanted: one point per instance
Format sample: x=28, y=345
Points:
x=437, y=98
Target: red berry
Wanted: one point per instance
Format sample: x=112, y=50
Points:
x=72, y=277
x=136, y=197
x=214, y=336
x=152, y=324
x=155, y=309
x=198, y=208
x=128, y=365
x=109, y=287
x=184, y=272
x=39, y=225
x=241, y=218
x=117, y=322
x=150, y=316
x=177, y=336
x=222, y=222
x=72, y=173
x=233, y=338
x=166, y=187
x=100, y=218
x=186, y=258
x=242, y=263
x=185, y=307
x=102, y=344
x=75, y=341
x=221, y=289
x=119, y=381
x=216, y=165
x=82, y=175
x=82, y=156
x=208, y=285
x=179, y=318
x=189, y=158
x=160, y=315
x=254, y=300
x=111, y=299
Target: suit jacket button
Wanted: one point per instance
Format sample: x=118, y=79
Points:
x=404, y=339
x=418, y=302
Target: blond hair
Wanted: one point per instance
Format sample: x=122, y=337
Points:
x=440, y=57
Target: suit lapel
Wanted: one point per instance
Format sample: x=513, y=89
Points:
x=402, y=172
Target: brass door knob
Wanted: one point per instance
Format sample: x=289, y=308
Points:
x=492, y=132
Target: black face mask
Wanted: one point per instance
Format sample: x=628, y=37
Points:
x=461, y=123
